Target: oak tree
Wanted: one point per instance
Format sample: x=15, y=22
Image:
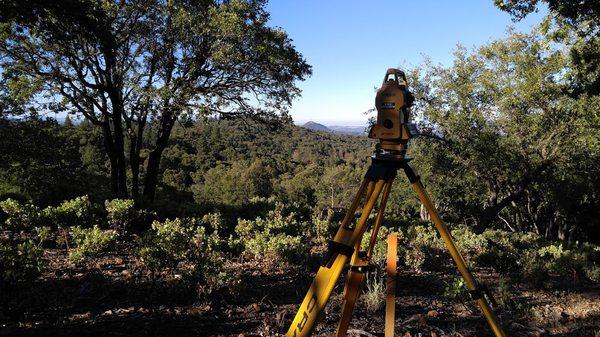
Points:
x=135, y=67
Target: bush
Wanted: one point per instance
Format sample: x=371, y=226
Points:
x=120, y=213
x=89, y=242
x=76, y=212
x=469, y=244
x=182, y=244
x=422, y=246
x=593, y=273
x=455, y=289
x=276, y=236
x=22, y=261
x=380, y=248
x=19, y=216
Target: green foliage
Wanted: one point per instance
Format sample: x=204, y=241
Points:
x=332, y=189
x=498, y=120
x=120, y=213
x=593, y=272
x=40, y=161
x=276, y=236
x=22, y=260
x=19, y=216
x=183, y=244
x=234, y=185
x=422, y=244
x=89, y=242
x=380, y=249
x=225, y=36
x=76, y=212
x=455, y=289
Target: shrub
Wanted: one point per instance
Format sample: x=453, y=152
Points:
x=555, y=260
x=414, y=257
x=455, y=289
x=19, y=216
x=422, y=245
x=276, y=236
x=120, y=213
x=89, y=242
x=593, y=272
x=468, y=243
x=380, y=248
x=75, y=212
x=184, y=244
x=21, y=261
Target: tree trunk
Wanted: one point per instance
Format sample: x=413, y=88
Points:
x=136, y=139
x=134, y=163
x=153, y=165
x=112, y=156
x=119, y=143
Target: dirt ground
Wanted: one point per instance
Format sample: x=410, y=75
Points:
x=114, y=297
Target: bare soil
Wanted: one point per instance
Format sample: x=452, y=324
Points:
x=115, y=296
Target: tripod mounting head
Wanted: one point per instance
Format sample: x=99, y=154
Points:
x=393, y=102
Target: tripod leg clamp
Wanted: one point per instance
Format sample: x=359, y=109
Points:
x=480, y=291
x=334, y=248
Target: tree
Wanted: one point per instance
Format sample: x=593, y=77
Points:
x=506, y=142
x=133, y=68
x=574, y=11
x=40, y=162
x=576, y=24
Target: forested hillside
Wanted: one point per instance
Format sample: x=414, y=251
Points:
x=231, y=192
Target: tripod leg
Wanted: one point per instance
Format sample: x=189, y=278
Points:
x=379, y=219
x=357, y=273
x=319, y=292
x=472, y=284
x=354, y=282
x=390, y=298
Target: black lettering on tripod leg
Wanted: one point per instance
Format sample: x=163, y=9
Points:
x=303, y=321
x=309, y=308
x=313, y=300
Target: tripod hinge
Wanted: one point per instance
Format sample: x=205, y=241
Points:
x=480, y=291
x=334, y=248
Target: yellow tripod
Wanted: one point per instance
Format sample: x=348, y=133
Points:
x=345, y=248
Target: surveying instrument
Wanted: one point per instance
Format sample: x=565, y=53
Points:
x=393, y=130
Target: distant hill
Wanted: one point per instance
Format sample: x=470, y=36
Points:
x=316, y=126
x=348, y=130
x=340, y=129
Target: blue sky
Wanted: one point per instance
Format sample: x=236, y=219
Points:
x=351, y=43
